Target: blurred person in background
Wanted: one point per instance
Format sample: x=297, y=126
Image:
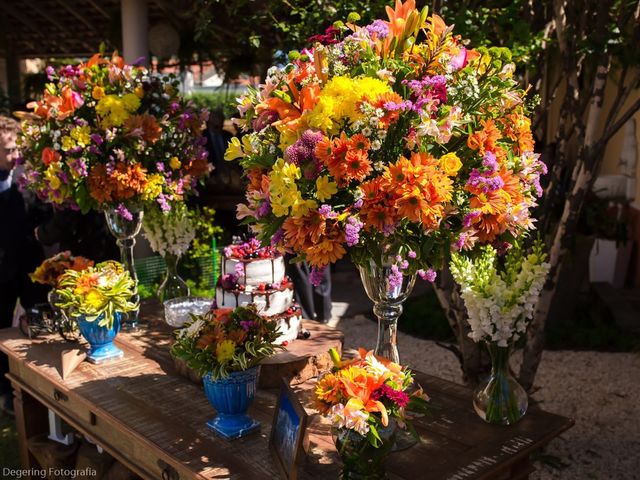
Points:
x=20, y=253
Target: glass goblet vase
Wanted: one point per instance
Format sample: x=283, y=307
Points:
x=125, y=232
x=173, y=286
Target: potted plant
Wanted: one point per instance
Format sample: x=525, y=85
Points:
x=366, y=400
x=98, y=297
x=225, y=346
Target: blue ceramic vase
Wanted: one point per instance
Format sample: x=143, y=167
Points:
x=100, y=338
x=231, y=398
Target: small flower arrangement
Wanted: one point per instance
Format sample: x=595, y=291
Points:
x=225, y=340
x=500, y=294
x=51, y=270
x=97, y=292
x=169, y=232
x=364, y=394
x=390, y=133
x=110, y=135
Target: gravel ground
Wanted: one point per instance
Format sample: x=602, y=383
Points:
x=598, y=390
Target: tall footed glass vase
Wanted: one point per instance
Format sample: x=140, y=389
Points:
x=388, y=288
x=173, y=286
x=125, y=232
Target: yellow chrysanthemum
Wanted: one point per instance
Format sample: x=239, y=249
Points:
x=325, y=188
x=81, y=135
x=131, y=102
x=67, y=143
x=94, y=299
x=98, y=92
x=153, y=188
x=225, y=351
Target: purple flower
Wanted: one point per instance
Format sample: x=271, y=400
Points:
x=394, y=280
x=277, y=237
x=160, y=166
x=124, y=212
x=404, y=264
x=378, y=28
x=326, y=211
x=430, y=275
x=459, y=60
x=239, y=269
x=490, y=163
x=247, y=324
x=412, y=254
x=358, y=204
x=263, y=209
x=317, y=275
x=468, y=218
x=264, y=120
x=50, y=72
x=229, y=281
x=164, y=204
x=352, y=231
x=486, y=184
x=228, y=251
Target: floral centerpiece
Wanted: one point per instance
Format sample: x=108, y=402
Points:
x=225, y=346
x=111, y=137
x=98, y=297
x=501, y=296
x=365, y=399
x=170, y=234
x=391, y=141
x=51, y=270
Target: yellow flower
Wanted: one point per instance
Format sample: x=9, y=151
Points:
x=82, y=135
x=325, y=188
x=139, y=91
x=225, y=351
x=67, y=143
x=301, y=206
x=153, y=188
x=97, y=92
x=234, y=150
x=450, y=164
x=174, y=163
x=131, y=102
x=94, y=299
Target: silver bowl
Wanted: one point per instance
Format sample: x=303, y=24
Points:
x=177, y=311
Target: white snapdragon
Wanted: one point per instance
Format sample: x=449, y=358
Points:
x=499, y=304
x=169, y=232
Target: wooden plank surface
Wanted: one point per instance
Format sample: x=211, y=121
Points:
x=163, y=415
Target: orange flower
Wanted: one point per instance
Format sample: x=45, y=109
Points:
x=100, y=187
x=70, y=101
x=86, y=283
x=143, y=126
x=49, y=156
x=378, y=216
x=359, y=142
x=324, y=149
x=327, y=391
x=398, y=16
x=329, y=250
x=486, y=138
x=390, y=116
x=129, y=180
x=357, y=165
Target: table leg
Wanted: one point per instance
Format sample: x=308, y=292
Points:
x=31, y=419
x=521, y=470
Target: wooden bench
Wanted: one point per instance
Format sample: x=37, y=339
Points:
x=152, y=420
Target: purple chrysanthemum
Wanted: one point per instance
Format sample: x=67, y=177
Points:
x=124, y=212
x=430, y=275
x=394, y=280
x=352, y=231
x=317, y=275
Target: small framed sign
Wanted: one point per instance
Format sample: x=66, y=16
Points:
x=287, y=432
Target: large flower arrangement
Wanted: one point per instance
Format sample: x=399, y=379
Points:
x=110, y=135
x=389, y=133
x=226, y=340
x=50, y=271
x=500, y=299
x=97, y=293
x=364, y=393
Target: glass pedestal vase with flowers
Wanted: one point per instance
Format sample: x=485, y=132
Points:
x=500, y=400
x=501, y=298
x=124, y=225
x=225, y=347
x=98, y=297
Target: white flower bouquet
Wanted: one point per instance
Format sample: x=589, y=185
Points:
x=169, y=232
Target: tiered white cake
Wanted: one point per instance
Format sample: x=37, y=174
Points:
x=255, y=274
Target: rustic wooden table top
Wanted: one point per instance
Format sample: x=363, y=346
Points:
x=144, y=398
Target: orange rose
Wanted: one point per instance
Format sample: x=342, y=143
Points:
x=49, y=156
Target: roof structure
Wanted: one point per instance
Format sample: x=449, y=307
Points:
x=70, y=28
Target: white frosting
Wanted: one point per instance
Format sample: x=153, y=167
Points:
x=279, y=301
x=257, y=271
x=289, y=330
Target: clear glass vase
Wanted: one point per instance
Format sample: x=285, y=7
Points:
x=500, y=400
x=173, y=286
x=125, y=232
x=388, y=294
x=360, y=459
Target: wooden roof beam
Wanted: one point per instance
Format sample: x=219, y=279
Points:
x=99, y=8
x=64, y=5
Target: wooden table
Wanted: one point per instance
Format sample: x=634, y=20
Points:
x=153, y=420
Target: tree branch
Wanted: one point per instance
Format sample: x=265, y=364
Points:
x=613, y=128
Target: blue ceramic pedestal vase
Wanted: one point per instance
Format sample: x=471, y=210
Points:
x=231, y=398
x=100, y=338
